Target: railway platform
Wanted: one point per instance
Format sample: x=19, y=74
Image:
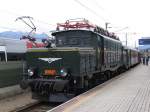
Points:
x=128, y=92
x=10, y=91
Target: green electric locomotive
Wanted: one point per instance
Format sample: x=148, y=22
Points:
x=81, y=59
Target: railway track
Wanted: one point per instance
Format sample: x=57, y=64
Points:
x=36, y=107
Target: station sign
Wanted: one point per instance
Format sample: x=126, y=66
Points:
x=2, y=48
x=144, y=41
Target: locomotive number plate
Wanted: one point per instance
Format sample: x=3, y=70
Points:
x=50, y=72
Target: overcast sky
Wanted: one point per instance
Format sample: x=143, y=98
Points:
x=121, y=14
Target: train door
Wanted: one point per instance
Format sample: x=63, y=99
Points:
x=129, y=57
x=125, y=58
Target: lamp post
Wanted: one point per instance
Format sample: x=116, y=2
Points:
x=126, y=38
x=135, y=44
x=126, y=34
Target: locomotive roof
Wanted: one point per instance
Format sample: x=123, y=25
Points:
x=106, y=37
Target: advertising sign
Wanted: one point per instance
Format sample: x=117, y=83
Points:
x=144, y=41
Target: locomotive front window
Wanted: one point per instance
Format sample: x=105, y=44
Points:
x=61, y=41
x=74, y=39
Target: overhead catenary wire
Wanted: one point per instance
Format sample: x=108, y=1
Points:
x=42, y=22
x=91, y=10
x=17, y=15
x=107, y=13
x=101, y=8
x=94, y=12
x=54, y=25
x=43, y=28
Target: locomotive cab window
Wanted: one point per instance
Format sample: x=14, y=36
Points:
x=73, y=39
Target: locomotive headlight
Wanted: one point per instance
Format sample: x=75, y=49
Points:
x=30, y=72
x=63, y=72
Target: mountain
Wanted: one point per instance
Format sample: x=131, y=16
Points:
x=18, y=35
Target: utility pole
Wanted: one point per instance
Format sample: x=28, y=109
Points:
x=126, y=36
x=135, y=44
x=106, y=25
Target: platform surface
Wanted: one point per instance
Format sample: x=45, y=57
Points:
x=128, y=92
x=10, y=91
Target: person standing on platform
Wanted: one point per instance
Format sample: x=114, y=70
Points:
x=147, y=60
x=143, y=60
